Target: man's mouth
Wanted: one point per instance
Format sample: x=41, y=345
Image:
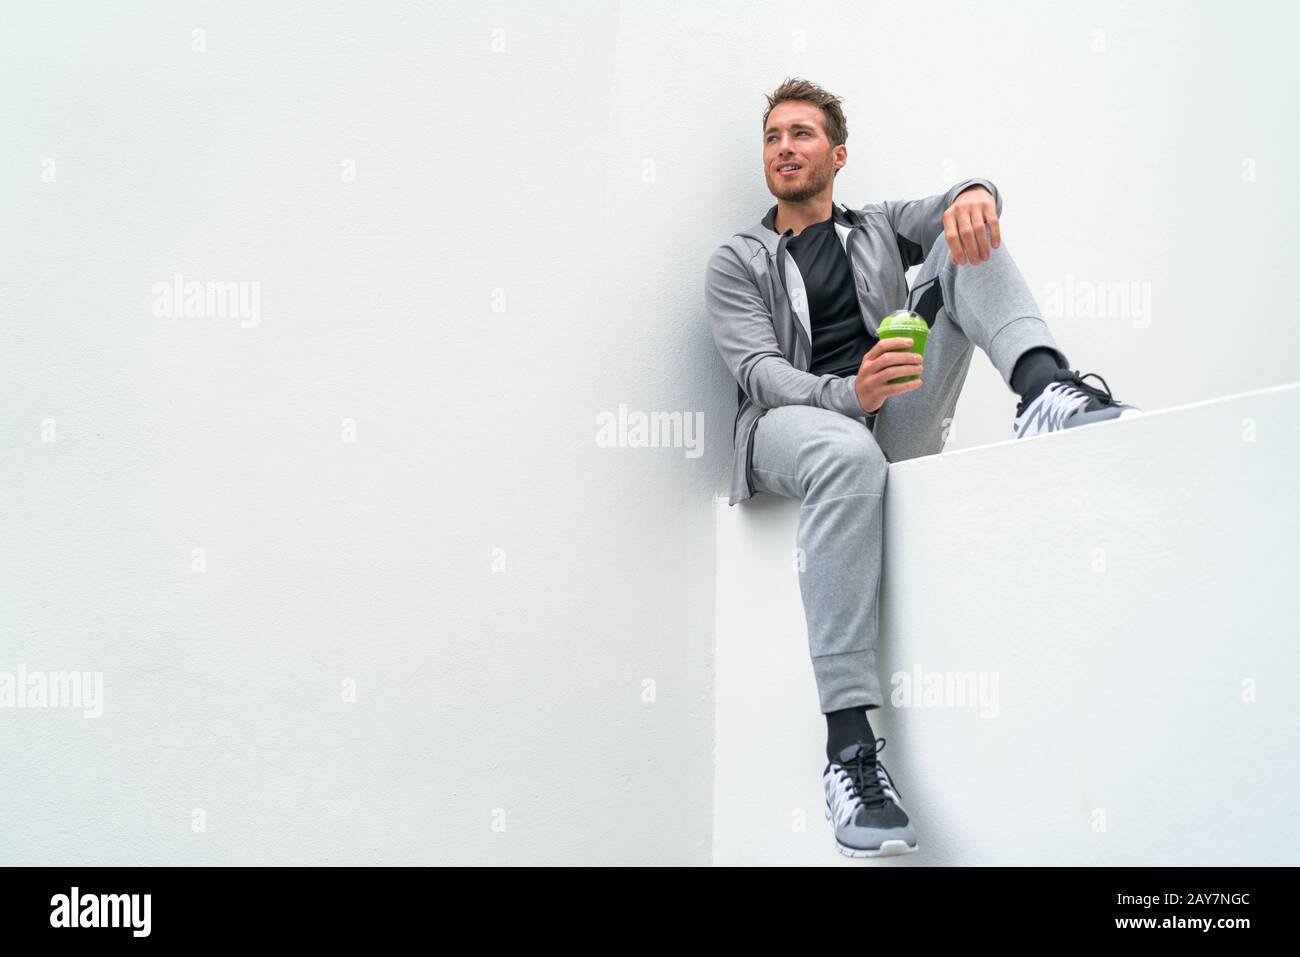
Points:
x=788, y=169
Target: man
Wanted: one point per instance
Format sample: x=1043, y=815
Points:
x=794, y=303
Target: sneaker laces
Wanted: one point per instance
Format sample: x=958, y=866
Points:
x=1067, y=393
x=1076, y=383
x=862, y=772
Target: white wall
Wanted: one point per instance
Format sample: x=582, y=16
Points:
x=1087, y=651
x=537, y=188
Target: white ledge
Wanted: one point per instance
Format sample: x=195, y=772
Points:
x=1131, y=587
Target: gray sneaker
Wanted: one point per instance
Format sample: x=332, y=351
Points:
x=862, y=804
x=1068, y=402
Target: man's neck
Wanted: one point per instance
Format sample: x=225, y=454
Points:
x=799, y=216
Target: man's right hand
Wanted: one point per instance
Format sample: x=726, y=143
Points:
x=882, y=363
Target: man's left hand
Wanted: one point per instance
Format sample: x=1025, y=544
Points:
x=964, y=225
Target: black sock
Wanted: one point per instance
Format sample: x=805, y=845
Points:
x=844, y=727
x=1033, y=372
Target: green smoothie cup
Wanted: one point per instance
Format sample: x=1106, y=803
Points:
x=904, y=324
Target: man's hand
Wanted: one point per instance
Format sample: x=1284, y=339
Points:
x=882, y=363
x=964, y=226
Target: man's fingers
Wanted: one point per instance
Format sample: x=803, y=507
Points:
x=961, y=223
x=967, y=233
x=897, y=386
x=883, y=374
x=899, y=359
x=887, y=359
x=883, y=392
x=950, y=234
x=891, y=344
x=980, y=235
x=972, y=231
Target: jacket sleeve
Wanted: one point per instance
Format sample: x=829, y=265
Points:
x=742, y=329
x=917, y=223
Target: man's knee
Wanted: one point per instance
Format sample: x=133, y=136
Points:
x=934, y=283
x=847, y=451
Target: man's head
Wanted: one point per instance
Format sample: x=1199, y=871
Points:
x=803, y=125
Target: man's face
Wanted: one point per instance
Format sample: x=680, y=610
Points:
x=794, y=135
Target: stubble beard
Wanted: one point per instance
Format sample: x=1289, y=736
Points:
x=818, y=178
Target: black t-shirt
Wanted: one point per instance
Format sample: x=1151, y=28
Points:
x=839, y=337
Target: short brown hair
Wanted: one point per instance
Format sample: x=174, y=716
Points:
x=793, y=88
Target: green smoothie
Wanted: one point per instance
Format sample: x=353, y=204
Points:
x=904, y=324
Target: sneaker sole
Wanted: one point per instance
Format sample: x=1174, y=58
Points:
x=893, y=848
x=1128, y=413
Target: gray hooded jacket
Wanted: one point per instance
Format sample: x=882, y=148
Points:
x=759, y=317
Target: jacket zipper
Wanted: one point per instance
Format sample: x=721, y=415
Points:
x=858, y=279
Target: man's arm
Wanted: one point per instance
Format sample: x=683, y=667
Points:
x=917, y=223
x=742, y=330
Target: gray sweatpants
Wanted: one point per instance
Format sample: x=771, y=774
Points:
x=837, y=467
